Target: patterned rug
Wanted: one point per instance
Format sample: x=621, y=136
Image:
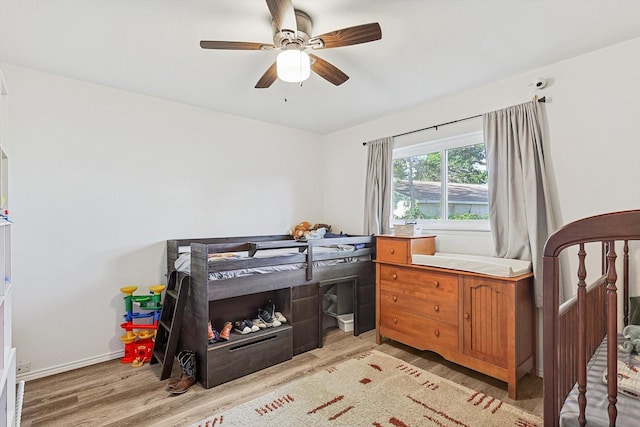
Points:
x=373, y=389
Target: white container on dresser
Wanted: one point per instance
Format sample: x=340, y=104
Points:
x=7, y=352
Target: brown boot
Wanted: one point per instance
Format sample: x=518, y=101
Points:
x=210, y=335
x=187, y=360
x=226, y=331
x=183, y=385
x=171, y=384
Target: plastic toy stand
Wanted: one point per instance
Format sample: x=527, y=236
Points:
x=139, y=337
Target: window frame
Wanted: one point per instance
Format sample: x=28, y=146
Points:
x=442, y=145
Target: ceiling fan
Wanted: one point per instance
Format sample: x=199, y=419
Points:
x=292, y=36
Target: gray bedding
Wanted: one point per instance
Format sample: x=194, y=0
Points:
x=183, y=263
x=597, y=401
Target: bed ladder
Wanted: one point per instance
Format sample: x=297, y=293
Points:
x=168, y=333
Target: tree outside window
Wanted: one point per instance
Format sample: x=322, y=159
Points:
x=448, y=182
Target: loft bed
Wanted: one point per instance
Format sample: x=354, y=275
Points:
x=581, y=336
x=229, y=278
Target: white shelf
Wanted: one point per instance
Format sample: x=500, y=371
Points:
x=7, y=352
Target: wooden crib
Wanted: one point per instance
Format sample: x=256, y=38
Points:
x=582, y=332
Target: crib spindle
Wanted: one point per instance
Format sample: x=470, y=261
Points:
x=612, y=333
x=625, y=283
x=582, y=334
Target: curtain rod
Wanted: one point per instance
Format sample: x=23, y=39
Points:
x=543, y=99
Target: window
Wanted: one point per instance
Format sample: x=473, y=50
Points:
x=442, y=183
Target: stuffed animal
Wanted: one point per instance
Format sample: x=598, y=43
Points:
x=299, y=230
x=304, y=230
x=632, y=334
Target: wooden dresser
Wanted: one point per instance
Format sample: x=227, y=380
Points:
x=485, y=323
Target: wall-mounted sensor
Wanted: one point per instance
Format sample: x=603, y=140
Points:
x=539, y=83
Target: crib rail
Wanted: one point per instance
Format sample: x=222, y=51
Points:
x=568, y=325
x=574, y=330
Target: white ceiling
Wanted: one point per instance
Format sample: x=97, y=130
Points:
x=429, y=49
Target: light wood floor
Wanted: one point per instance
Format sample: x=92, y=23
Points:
x=115, y=394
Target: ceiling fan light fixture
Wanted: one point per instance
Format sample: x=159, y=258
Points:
x=293, y=66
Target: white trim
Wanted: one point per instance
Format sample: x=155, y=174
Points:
x=19, y=402
x=41, y=373
x=471, y=138
x=481, y=226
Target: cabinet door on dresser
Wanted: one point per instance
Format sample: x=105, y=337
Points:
x=488, y=307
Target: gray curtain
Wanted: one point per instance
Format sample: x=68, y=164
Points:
x=377, y=197
x=520, y=210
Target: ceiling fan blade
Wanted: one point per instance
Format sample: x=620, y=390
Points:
x=209, y=44
x=284, y=15
x=268, y=77
x=348, y=36
x=327, y=71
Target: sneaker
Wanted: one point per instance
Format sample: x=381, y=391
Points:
x=259, y=323
x=241, y=327
x=225, y=333
x=279, y=317
x=254, y=328
x=270, y=307
x=265, y=317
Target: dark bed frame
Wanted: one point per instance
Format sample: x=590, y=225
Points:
x=574, y=330
x=298, y=294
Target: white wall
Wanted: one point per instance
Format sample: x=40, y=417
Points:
x=592, y=147
x=101, y=178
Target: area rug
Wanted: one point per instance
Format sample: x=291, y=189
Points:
x=373, y=389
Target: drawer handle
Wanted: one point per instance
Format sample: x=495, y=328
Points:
x=436, y=333
x=436, y=284
x=395, y=298
x=466, y=316
x=392, y=251
x=436, y=308
x=395, y=276
x=395, y=320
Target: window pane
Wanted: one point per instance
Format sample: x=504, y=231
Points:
x=417, y=185
x=467, y=178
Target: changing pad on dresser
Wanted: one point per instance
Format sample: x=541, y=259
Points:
x=503, y=267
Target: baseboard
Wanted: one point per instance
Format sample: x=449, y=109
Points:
x=41, y=373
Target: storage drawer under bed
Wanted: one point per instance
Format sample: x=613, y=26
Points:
x=245, y=354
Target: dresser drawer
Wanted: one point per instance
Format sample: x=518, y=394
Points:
x=398, y=249
x=392, y=250
x=418, y=332
x=431, y=281
x=421, y=300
